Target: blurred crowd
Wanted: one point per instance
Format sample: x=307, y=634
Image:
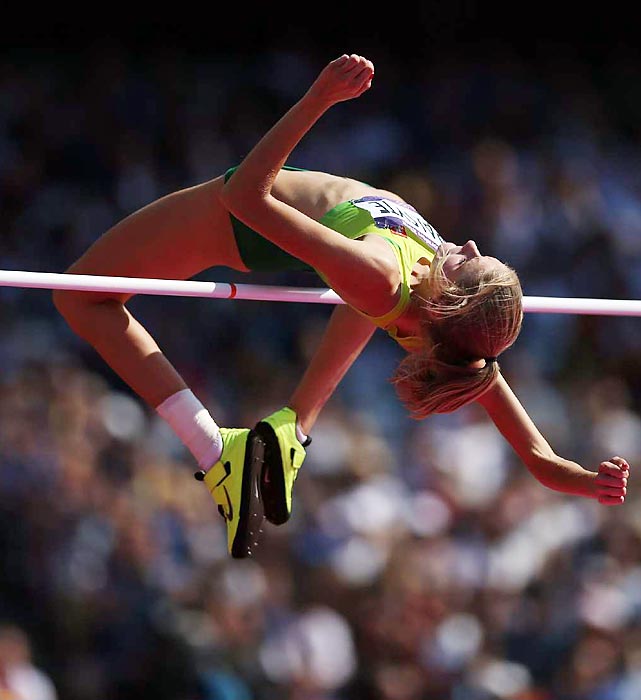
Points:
x=422, y=561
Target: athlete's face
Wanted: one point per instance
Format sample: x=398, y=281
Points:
x=462, y=259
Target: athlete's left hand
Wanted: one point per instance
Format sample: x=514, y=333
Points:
x=612, y=481
x=342, y=79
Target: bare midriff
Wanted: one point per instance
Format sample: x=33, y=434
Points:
x=315, y=193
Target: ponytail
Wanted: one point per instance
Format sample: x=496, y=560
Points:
x=426, y=385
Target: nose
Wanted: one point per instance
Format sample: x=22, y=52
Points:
x=471, y=250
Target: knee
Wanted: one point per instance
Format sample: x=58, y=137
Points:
x=77, y=307
x=66, y=302
x=69, y=304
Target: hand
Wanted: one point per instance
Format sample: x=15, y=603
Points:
x=611, y=481
x=343, y=79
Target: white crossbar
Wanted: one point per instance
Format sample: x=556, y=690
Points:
x=256, y=292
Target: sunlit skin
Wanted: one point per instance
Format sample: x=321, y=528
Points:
x=461, y=258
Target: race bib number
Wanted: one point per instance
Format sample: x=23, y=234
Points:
x=400, y=218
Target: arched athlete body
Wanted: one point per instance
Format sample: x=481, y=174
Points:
x=453, y=309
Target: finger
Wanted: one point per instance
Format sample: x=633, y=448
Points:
x=620, y=462
x=612, y=469
x=363, y=70
x=364, y=61
x=610, y=501
x=611, y=479
x=611, y=491
x=354, y=60
x=363, y=77
x=355, y=70
x=608, y=481
x=614, y=492
x=367, y=66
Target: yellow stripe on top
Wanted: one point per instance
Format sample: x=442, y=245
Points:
x=354, y=221
x=407, y=252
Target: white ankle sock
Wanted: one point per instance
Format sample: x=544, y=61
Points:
x=302, y=438
x=191, y=422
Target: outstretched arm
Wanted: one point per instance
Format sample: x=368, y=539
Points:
x=608, y=485
x=347, y=333
x=365, y=276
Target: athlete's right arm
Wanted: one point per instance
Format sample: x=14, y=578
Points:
x=607, y=485
x=364, y=275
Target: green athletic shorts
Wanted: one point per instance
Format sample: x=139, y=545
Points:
x=259, y=254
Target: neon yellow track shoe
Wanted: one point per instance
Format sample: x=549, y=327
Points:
x=283, y=457
x=234, y=485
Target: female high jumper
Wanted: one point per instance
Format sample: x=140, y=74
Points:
x=452, y=309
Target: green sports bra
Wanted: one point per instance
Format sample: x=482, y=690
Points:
x=410, y=236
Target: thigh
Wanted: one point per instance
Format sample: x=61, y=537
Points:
x=175, y=237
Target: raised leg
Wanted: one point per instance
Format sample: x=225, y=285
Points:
x=175, y=237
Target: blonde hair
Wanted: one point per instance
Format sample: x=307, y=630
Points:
x=477, y=317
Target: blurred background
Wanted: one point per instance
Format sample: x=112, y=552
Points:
x=422, y=561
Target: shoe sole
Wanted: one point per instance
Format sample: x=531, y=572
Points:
x=251, y=515
x=272, y=482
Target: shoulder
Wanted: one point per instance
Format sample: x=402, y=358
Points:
x=369, y=278
x=380, y=251
x=380, y=290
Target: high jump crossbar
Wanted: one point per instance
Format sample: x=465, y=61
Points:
x=257, y=292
